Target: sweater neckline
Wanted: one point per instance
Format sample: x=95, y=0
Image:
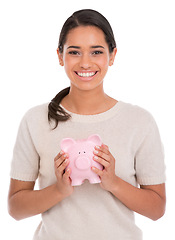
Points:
x=95, y=117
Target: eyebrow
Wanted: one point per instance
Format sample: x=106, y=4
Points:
x=97, y=46
x=77, y=47
x=73, y=47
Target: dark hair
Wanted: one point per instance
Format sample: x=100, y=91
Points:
x=85, y=17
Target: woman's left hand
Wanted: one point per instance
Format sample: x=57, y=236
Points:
x=103, y=156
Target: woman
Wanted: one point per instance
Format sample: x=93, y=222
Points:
x=131, y=155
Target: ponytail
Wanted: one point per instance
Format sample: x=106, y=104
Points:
x=85, y=17
x=55, y=111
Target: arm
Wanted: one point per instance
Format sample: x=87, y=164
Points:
x=24, y=201
x=147, y=200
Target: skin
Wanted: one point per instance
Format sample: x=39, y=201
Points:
x=81, y=55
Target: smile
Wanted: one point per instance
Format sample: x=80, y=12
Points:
x=86, y=74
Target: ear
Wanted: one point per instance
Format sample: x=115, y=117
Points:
x=60, y=57
x=112, y=57
x=95, y=139
x=66, y=143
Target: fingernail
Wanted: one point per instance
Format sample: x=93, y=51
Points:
x=96, y=152
x=95, y=157
x=61, y=152
x=98, y=147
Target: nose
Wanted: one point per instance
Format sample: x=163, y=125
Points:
x=83, y=163
x=85, y=61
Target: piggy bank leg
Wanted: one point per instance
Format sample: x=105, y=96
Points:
x=76, y=182
x=94, y=179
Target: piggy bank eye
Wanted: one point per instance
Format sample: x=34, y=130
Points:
x=79, y=152
x=84, y=152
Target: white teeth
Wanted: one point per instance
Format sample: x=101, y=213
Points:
x=89, y=74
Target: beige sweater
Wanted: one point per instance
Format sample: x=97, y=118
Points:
x=90, y=212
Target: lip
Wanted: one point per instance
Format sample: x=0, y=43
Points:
x=86, y=78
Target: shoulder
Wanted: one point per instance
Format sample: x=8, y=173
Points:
x=37, y=111
x=137, y=116
x=37, y=115
x=135, y=111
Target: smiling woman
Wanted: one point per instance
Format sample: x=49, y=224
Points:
x=132, y=157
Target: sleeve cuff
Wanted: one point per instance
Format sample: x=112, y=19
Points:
x=151, y=180
x=23, y=176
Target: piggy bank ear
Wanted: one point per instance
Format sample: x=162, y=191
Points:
x=67, y=143
x=95, y=139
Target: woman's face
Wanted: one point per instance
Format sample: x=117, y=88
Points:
x=86, y=57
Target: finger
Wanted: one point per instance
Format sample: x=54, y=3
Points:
x=60, y=161
x=103, y=148
x=62, y=167
x=59, y=155
x=67, y=173
x=106, y=150
x=100, y=160
x=66, y=176
x=97, y=171
x=104, y=155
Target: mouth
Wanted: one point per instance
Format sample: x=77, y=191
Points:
x=86, y=75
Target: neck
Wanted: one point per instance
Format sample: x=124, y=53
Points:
x=87, y=102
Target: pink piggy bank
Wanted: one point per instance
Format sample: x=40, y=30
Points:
x=81, y=158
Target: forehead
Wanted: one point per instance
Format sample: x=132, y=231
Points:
x=86, y=35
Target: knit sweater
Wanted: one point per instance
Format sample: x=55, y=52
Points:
x=90, y=212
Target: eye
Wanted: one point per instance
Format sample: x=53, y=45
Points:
x=84, y=152
x=97, y=52
x=73, y=53
x=79, y=152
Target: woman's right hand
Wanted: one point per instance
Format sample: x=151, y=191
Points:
x=63, y=184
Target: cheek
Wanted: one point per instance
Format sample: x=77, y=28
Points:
x=103, y=63
x=69, y=63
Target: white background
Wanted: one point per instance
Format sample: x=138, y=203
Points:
x=143, y=74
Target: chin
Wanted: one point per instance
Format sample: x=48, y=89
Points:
x=87, y=86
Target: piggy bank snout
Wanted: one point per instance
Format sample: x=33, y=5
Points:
x=83, y=162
